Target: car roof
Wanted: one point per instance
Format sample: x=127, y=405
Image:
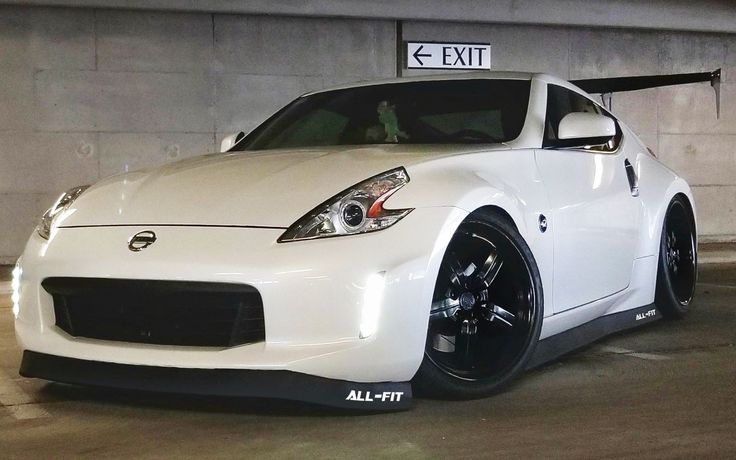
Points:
x=435, y=77
x=490, y=75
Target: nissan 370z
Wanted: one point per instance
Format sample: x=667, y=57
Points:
x=440, y=234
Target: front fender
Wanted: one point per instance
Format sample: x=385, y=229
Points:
x=506, y=180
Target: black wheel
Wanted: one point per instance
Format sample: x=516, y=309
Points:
x=486, y=311
x=677, y=271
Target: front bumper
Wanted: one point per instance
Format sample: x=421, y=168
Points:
x=314, y=294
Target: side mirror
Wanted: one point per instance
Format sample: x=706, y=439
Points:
x=231, y=141
x=579, y=128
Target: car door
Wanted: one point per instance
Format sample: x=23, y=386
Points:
x=594, y=211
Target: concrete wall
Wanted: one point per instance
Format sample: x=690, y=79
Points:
x=89, y=93
x=85, y=93
x=692, y=15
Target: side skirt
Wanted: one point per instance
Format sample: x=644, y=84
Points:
x=560, y=344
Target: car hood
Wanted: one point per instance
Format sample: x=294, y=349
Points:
x=261, y=188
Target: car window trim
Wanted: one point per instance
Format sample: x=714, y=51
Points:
x=619, y=130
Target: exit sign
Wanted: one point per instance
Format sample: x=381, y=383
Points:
x=454, y=56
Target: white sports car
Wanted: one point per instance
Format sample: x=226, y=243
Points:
x=446, y=232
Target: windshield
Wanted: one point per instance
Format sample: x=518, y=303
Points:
x=426, y=112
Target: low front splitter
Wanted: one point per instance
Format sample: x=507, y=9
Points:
x=276, y=384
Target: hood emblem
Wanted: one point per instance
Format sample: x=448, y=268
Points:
x=141, y=240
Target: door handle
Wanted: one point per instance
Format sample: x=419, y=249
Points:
x=633, y=179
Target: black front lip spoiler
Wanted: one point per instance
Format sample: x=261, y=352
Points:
x=285, y=385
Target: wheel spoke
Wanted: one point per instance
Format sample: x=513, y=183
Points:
x=444, y=308
x=469, y=270
x=465, y=347
x=493, y=312
x=457, y=273
x=488, y=273
x=468, y=352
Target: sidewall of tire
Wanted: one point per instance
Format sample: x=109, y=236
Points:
x=665, y=299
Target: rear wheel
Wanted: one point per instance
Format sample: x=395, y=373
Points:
x=486, y=311
x=678, y=260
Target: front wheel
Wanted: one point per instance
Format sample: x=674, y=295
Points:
x=678, y=260
x=486, y=311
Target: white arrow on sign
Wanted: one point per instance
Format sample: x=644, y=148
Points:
x=458, y=56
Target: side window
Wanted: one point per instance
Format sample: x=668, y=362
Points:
x=560, y=102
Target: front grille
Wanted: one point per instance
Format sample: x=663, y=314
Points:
x=158, y=312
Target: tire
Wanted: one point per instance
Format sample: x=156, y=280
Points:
x=677, y=269
x=475, y=347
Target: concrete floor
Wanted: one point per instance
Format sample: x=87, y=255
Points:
x=664, y=391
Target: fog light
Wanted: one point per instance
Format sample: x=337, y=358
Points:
x=15, y=286
x=372, y=297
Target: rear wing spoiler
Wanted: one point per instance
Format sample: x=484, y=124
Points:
x=607, y=86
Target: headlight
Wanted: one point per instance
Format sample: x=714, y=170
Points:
x=62, y=203
x=358, y=209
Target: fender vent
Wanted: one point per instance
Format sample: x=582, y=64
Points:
x=633, y=179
